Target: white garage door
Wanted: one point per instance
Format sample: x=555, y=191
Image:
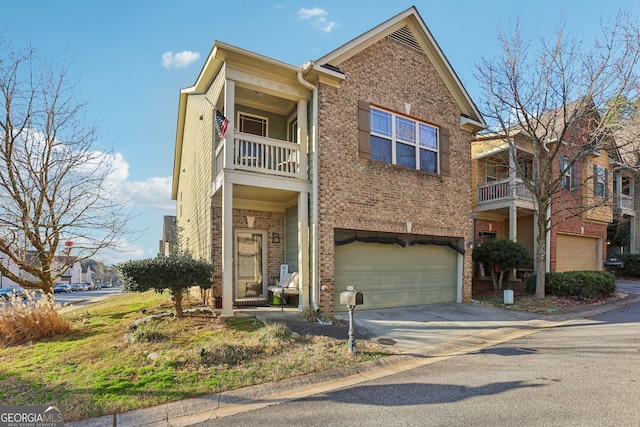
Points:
x=393, y=276
x=576, y=253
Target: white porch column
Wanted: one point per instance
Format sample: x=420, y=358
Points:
x=227, y=206
x=513, y=210
x=303, y=138
x=229, y=113
x=303, y=249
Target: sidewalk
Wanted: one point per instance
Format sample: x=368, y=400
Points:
x=422, y=335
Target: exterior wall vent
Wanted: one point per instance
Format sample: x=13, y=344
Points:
x=406, y=37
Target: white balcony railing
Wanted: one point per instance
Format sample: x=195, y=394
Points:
x=501, y=190
x=625, y=202
x=261, y=155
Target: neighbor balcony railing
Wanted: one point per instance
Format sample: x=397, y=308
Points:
x=625, y=202
x=502, y=190
x=259, y=154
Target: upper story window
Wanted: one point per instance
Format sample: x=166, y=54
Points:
x=491, y=172
x=255, y=125
x=569, y=173
x=600, y=181
x=403, y=141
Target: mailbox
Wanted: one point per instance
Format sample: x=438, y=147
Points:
x=350, y=296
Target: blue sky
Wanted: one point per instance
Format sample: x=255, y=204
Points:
x=132, y=57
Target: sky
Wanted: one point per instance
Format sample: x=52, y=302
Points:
x=132, y=57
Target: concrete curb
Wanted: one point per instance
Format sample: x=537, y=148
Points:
x=200, y=409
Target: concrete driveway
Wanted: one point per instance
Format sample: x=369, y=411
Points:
x=414, y=327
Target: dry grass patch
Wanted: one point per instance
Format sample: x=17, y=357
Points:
x=31, y=319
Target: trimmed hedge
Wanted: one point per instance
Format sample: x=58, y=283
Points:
x=584, y=284
x=631, y=266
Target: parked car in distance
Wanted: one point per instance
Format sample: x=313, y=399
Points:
x=76, y=287
x=6, y=292
x=62, y=288
x=87, y=286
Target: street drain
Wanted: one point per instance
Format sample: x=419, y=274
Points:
x=386, y=341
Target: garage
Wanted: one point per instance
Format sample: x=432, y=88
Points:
x=392, y=275
x=576, y=253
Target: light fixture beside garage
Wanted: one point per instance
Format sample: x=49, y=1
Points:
x=409, y=226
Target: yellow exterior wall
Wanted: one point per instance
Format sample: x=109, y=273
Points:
x=194, y=188
x=603, y=210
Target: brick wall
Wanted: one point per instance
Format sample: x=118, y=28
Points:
x=362, y=194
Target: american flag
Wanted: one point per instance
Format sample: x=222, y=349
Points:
x=221, y=124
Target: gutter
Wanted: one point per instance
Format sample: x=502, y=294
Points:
x=315, y=185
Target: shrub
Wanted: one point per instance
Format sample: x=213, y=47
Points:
x=584, y=284
x=499, y=256
x=631, y=265
x=31, y=320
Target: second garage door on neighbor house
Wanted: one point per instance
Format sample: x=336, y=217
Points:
x=576, y=253
x=390, y=275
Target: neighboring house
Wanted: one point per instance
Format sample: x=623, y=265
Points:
x=580, y=211
x=169, y=235
x=87, y=274
x=74, y=273
x=352, y=169
x=623, y=235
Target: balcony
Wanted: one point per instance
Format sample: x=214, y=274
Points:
x=500, y=194
x=625, y=203
x=260, y=155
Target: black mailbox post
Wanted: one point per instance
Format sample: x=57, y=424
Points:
x=351, y=297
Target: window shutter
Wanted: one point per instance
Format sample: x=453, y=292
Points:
x=606, y=183
x=445, y=164
x=563, y=174
x=595, y=180
x=364, y=130
x=574, y=176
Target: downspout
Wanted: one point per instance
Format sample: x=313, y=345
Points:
x=315, y=185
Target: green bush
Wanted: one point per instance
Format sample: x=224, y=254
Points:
x=631, y=267
x=584, y=284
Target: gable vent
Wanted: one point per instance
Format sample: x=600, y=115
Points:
x=406, y=37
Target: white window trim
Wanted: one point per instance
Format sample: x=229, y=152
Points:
x=254, y=116
x=416, y=144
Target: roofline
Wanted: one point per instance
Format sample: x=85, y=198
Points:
x=368, y=38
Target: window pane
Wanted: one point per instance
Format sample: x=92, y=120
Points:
x=428, y=161
x=380, y=122
x=380, y=149
x=253, y=125
x=405, y=130
x=405, y=155
x=428, y=136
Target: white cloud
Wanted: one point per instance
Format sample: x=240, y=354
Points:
x=310, y=13
x=320, y=23
x=179, y=60
x=153, y=193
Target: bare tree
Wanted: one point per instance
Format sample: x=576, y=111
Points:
x=57, y=203
x=558, y=99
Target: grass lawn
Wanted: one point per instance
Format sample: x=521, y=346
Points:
x=103, y=366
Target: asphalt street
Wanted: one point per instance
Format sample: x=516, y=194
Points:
x=583, y=373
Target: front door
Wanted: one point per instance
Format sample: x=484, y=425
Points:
x=251, y=263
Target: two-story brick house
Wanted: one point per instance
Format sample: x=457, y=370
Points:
x=352, y=169
x=580, y=210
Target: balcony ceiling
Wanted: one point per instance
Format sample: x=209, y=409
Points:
x=261, y=194
x=263, y=101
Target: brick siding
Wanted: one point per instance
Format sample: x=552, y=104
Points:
x=361, y=194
